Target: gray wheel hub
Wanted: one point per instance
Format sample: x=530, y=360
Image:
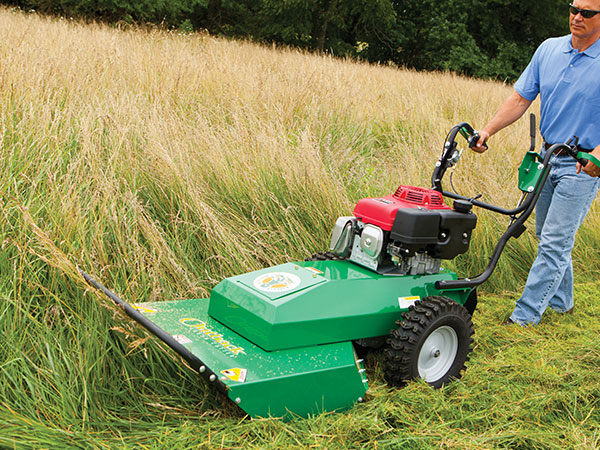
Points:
x=438, y=353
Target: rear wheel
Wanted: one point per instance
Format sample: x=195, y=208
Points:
x=432, y=342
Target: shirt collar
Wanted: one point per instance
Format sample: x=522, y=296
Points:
x=592, y=51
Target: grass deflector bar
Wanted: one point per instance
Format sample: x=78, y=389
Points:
x=283, y=341
x=135, y=314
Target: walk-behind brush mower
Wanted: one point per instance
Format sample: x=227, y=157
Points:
x=283, y=341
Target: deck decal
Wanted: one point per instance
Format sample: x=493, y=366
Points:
x=201, y=329
x=143, y=309
x=276, y=282
x=182, y=339
x=405, y=302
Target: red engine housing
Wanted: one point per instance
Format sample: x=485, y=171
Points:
x=381, y=211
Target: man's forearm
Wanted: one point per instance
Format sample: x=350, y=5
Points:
x=513, y=108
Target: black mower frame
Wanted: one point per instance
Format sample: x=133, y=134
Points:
x=518, y=215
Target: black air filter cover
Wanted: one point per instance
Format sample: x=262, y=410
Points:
x=442, y=233
x=416, y=226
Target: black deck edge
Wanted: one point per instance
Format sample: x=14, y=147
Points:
x=194, y=362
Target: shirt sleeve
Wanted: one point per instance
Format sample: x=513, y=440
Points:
x=528, y=84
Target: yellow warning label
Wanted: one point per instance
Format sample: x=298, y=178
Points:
x=405, y=302
x=235, y=374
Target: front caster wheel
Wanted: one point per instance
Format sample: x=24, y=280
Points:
x=432, y=342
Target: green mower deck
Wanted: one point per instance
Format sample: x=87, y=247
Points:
x=295, y=381
x=296, y=357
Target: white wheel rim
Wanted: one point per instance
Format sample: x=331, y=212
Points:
x=438, y=353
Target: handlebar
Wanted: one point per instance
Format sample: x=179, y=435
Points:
x=518, y=215
x=450, y=156
x=515, y=229
x=581, y=157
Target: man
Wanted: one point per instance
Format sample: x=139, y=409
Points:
x=565, y=72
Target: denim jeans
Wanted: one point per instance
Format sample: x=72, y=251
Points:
x=563, y=204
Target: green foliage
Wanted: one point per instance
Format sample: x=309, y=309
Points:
x=482, y=38
x=508, y=32
x=186, y=26
x=436, y=41
x=165, y=12
x=293, y=22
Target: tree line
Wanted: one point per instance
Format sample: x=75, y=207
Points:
x=480, y=38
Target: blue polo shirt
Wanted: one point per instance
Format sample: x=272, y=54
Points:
x=568, y=82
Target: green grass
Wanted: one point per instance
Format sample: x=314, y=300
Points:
x=531, y=388
x=163, y=163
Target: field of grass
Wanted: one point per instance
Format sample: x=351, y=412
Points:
x=162, y=163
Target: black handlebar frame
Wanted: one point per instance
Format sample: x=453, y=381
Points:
x=443, y=165
x=515, y=229
x=518, y=215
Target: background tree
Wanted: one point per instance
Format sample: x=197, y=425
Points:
x=482, y=38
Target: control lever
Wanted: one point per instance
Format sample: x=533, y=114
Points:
x=532, y=131
x=473, y=139
x=471, y=136
x=572, y=151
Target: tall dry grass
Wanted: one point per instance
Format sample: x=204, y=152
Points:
x=201, y=157
x=162, y=163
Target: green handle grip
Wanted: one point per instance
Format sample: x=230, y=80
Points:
x=587, y=156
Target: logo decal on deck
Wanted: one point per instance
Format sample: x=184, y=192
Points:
x=200, y=328
x=235, y=374
x=276, y=282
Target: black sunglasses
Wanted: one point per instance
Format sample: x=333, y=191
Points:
x=585, y=13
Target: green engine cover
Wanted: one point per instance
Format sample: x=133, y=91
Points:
x=318, y=302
